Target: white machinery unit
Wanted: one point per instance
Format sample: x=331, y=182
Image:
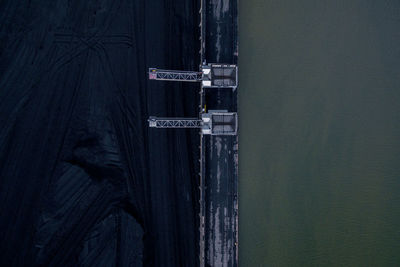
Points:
x=219, y=75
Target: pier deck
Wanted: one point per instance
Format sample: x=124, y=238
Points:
x=219, y=154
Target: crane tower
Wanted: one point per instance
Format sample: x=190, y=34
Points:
x=214, y=122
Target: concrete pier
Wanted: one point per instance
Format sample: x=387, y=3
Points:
x=219, y=154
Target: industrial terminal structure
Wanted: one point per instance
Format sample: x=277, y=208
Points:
x=214, y=122
x=217, y=123
x=211, y=75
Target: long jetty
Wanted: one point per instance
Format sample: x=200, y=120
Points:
x=218, y=154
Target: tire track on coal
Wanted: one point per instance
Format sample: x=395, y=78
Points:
x=95, y=43
x=60, y=61
x=63, y=248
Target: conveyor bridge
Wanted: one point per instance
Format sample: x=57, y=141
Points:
x=211, y=75
x=215, y=122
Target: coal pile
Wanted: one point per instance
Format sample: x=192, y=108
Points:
x=83, y=181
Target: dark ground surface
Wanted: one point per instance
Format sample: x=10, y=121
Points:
x=83, y=182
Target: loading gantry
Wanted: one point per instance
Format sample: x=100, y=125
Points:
x=214, y=122
x=211, y=75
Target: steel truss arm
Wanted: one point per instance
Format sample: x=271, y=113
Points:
x=174, y=75
x=174, y=123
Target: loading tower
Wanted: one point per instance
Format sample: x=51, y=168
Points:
x=214, y=122
x=211, y=75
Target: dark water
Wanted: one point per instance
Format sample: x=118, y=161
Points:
x=319, y=105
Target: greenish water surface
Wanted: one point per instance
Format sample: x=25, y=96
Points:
x=319, y=105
